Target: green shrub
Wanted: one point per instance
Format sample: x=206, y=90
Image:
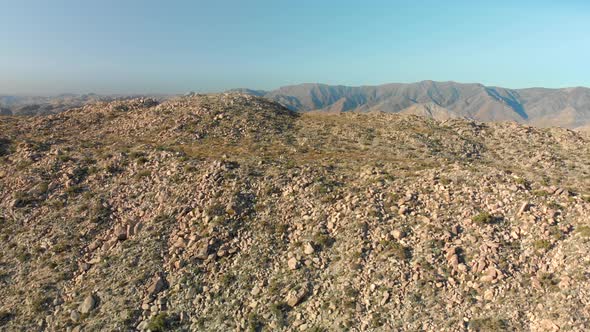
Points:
x=483, y=218
x=22, y=199
x=40, y=304
x=554, y=206
x=143, y=174
x=541, y=193
x=398, y=250
x=158, y=323
x=584, y=231
x=74, y=190
x=254, y=323
x=488, y=324
x=541, y=245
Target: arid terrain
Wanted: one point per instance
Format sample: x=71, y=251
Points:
x=230, y=212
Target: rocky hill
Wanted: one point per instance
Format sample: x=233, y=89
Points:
x=569, y=108
x=35, y=105
x=230, y=212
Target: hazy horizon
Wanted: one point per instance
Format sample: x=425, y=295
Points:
x=148, y=93
x=147, y=47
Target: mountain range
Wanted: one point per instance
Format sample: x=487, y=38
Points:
x=540, y=107
x=543, y=107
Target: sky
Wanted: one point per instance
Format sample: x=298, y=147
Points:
x=146, y=46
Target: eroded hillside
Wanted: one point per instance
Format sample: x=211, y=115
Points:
x=230, y=212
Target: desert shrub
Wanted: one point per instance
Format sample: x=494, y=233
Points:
x=5, y=316
x=254, y=323
x=398, y=250
x=584, y=231
x=5, y=147
x=159, y=322
x=74, y=190
x=22, y=199
x=483, y=218
x=541, y=193
x=40, y=304
x=541, y=244
x=488, y=324
x=143, y=174
x=278, y=311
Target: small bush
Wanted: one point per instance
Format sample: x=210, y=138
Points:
x=4, y=147
x=488, y=324
x=483, y=218
x=5, y=316
x=40, y=304
x=23, y=257
x=541, y=193
x=22, y=199
x=541, y=245
x=398, y=250
x=584, y=231
x=158, y=323
x=74, y=190
x=143, y=174
x=64, y=158
x=323, y=240
x=278, y=311
x=254, y=323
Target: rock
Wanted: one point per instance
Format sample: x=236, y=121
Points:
x=294, y=298
x=88, y=305
x=202, y=251
x=75, y=316
x=403, y=210
x=143, y=325
x=137, y=228
x=308, y=249
x=547, y=325
x=293, y=263
x=397, y=234
x=524, y=208
x=384, y=298
x=157, y=285
x=121, y=233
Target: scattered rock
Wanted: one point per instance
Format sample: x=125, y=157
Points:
x=87, y=305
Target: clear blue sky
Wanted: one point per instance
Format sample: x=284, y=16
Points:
x=144, y=46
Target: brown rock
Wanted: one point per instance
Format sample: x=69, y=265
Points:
x=293, y=263
x=157, y=285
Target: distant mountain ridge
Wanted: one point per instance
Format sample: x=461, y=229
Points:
x=567, y=107
x=39, y=105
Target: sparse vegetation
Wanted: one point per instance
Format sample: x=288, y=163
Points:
x=488, y=324
x=483, y=218
x=159, y=323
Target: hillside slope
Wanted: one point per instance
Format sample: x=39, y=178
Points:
x=230, y=212
x=569, y=108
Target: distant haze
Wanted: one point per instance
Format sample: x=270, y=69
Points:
x=124, y=47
